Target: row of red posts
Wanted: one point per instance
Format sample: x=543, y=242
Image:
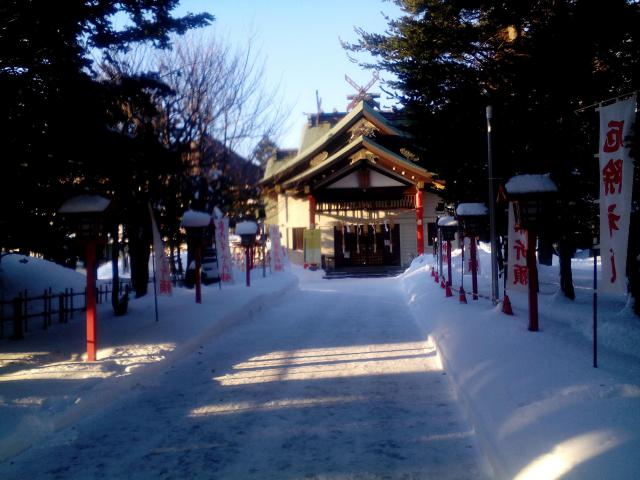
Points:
x=447, y=284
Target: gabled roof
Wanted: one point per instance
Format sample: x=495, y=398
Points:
x=391, y=160
x=279, y=169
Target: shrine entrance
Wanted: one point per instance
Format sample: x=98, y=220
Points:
x=366, y=245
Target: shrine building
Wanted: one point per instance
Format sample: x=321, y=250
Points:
x=356, y=179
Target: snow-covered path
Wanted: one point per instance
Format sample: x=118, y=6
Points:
x=335, y=381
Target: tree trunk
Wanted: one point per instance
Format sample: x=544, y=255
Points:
x=172, y=257
x=566, y=250
x=139, y=250
x=115, y=281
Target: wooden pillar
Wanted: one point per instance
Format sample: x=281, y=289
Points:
x=312, y=211
x=533, y=280
x=473, y=261
x=198, y=279
x=92, y=331
x=449, y=262
x=419, y=225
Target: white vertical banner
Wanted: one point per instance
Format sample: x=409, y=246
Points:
x=616, y=182
x=222, y=249
x=276, y=250
x=162, y=270
x=518, y=272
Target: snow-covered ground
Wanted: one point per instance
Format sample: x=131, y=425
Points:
x=537, y=406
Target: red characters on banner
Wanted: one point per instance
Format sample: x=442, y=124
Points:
x=165, y=283
x=612, y=176
x=521, y=250
x=520, y=274
x=614, y=274
x=613, y=139
x=613, y=218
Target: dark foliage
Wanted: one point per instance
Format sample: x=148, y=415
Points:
x=62, y=130
x=537, y=62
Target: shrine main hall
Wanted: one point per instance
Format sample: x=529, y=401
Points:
x=357, y=180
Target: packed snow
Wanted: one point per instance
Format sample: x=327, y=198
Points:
x=472, y=210
x=246, y=228
x=278, y=386
x=85, y=204
x=195, y=219
x=521, y=184
x=447, y=222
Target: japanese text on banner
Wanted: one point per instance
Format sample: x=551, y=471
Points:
x=518, y=272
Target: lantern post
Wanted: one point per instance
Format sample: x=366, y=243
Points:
x=197, y=225
x=472, y=218
x=531, y=195
x=247, y=230
x=448, y=227
x=86, y=213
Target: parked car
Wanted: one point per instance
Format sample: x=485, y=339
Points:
x=208, y=273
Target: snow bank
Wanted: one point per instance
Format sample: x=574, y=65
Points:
x=539, y=407
x=19, y=273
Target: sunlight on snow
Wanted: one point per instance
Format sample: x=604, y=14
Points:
x=567, y=455
x=354, y=361
x=236, y=407
x=8, y=359
x=529, y=414
x=113, y=361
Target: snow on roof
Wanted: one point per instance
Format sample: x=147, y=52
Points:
x=246, y=228
x=531, y=184
x=193, y=218
x=85, y=204
x=472, y=209
x=447, y=222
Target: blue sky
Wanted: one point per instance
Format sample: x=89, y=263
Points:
x=300, y=40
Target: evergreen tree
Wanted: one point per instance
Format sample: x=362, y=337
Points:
x=537, y=62
x=57, y=125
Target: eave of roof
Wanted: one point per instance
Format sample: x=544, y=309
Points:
x=375, y=148
x=375, y=117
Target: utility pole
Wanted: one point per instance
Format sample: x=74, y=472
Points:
x=492, y=211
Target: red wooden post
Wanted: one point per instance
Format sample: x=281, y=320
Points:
x=449, y=262
x=533, y=281
x=419, y=225
x=92, y=331
x=198, y=253
x=312, y=211
x=474, y=267
x=247, y=266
